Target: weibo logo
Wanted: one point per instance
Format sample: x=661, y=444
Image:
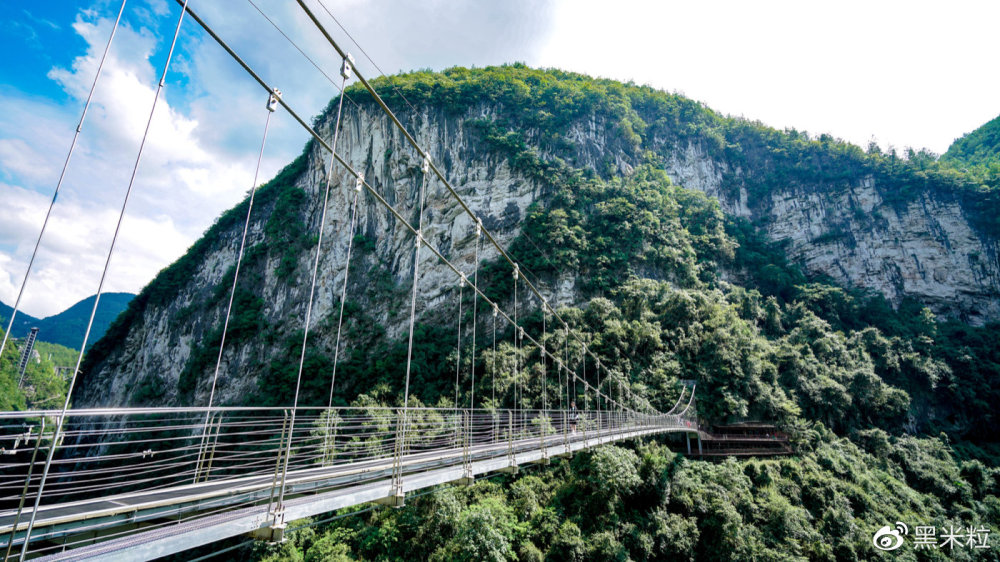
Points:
x=888, y=538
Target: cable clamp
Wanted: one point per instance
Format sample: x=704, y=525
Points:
x=420, y=238
x=496, y=310
x=426, y=165
x=479, y=227
x=517, y=272
x=461, y=280
x=520, y=332
x=359, y=181
x=272, y=100
x=347, y=67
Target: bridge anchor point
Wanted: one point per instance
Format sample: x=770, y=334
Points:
x=395, y=501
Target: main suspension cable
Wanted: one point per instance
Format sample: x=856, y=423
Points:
x=302, y=52
x=365, y=53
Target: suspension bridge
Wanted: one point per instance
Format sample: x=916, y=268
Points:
x=142, y=483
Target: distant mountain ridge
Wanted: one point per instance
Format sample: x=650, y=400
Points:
x=67, y=327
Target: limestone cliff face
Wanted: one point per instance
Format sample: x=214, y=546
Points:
x=162, y=341
x=925, y=249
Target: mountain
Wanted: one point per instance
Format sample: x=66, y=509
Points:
x=22, y=324
x=67, y=327
x=512, y=139
x=849, y=296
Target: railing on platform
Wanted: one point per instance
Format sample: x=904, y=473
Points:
x=181, y=463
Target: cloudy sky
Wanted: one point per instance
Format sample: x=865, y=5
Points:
x=904, y=73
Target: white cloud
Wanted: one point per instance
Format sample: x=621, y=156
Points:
x=69, y=264
x=181, y=186
x=911, y=73
x=17, y=157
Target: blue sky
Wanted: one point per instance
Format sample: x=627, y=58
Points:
x=906, y=73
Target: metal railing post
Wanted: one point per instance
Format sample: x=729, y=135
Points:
x=543, y=419
x=332, y=445
x=201, y=447
x=510, y=438
x=24, y=491
x=397, y=495
x=565, y=415
x=466, y=452
x=277, y=466
x=215, y=443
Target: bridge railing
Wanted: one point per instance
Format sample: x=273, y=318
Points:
x=194, y=462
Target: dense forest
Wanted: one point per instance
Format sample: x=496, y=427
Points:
x=892, y=412
x=980, y=148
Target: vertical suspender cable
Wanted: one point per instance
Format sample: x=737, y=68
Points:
x=563, y=396
x=517, y=359
x=345, y=73
x=493, y=376
x=545, y=401
x=413, y=314
x=359, y=181
x=598, y=393
x=475, y=313
x=569, y=372
x=62, y=176
x=620, y=400
x=100, y=287
x=575, y=394
x=458, y=356
x=272, y=105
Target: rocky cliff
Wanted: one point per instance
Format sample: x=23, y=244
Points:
x=161, y=341
x=852, y=229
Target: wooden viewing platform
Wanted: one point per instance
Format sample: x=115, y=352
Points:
x=740, y=439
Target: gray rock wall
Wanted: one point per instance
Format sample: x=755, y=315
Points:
x=925, y=249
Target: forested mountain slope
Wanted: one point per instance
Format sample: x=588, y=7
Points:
x=845, y=295
x=978, y=148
